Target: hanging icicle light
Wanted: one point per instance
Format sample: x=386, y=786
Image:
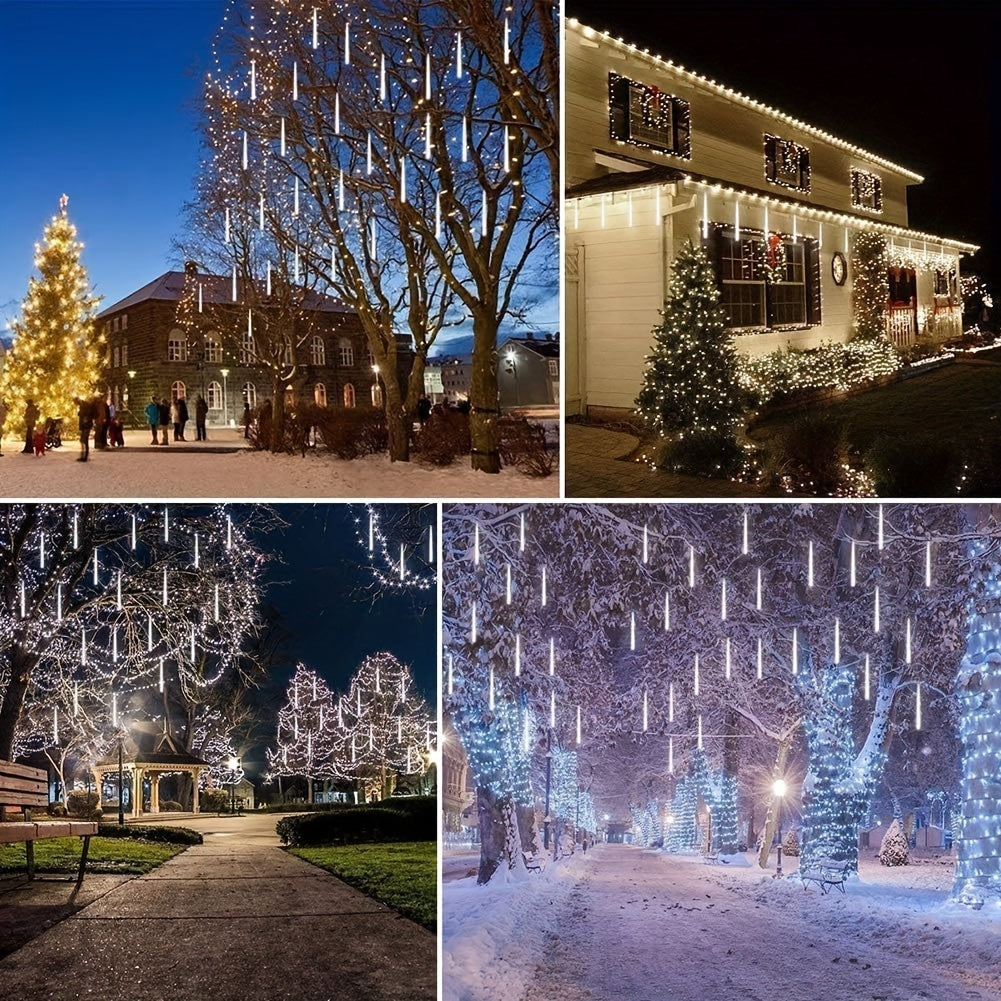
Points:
x=875, y=610
x=852, y=576
x=809, y=566
x=757, y=592
x=670, y=702
x=552, y=656
x=507, y=584
x=744, y=547
x=917, y=707
x=667, y=611
x=632, y=630
x=795, y=650
x=543, y=587
x=578, y=726
x=517, y=655
x=722, y=602
x=837, y=640
x=761, y=659
x=646, y=711
x=552, y=709
x=867, y=680
x=696, y=686
x=700, y=732
x=928, y=564
x=907, y=642
x=726, y=658
x=691, y=566
x=879, y=528
x=472, y=623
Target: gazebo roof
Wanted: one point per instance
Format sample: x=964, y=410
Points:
x=166, y=759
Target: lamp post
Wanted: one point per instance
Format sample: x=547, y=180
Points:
x=778, y=791
x=234, y=764
x=512, y=366
x=224, y=372
x=128, y=392
x=549, y=772
x=376, y=388
x=121, y=779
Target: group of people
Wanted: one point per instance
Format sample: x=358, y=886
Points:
x=161, y=416
x=97, y=415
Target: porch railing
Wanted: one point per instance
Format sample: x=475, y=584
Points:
x=900, y=328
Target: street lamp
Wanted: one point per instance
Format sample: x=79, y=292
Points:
x=376, y=388
x=225, y=375
x=233, y=764
x=778, y=791
x=512, y=366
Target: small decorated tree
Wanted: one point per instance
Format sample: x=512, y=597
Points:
x=54, y=355
x=690, y=381
x=893, y=850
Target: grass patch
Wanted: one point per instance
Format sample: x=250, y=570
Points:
x=108, y=855
x=957, y=402
x=402, y=875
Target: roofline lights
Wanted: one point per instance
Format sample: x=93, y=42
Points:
x=735, y=95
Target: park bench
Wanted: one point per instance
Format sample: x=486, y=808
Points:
x=532, y=862
x=24, y=788
x=826, y=873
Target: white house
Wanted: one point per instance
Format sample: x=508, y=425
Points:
x=658, y=155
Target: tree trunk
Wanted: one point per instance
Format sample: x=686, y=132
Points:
x=978, y=684
x=492, y=834
x=22, y=663
x=276, y=437
x=397, y=422
x=484, y=396
x=771, y=815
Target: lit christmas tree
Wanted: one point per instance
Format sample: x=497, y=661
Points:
x=690, y=382
x=893, y=849
x=869, y=286
x=54, y=355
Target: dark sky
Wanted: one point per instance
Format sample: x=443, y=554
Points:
x=914, y=83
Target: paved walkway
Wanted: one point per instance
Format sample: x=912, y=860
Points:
x=596, y=467
x=235, y=919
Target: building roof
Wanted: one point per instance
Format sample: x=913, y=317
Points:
x=216, y=290
x=181, y=759
x=547, y=347
x=739, y=98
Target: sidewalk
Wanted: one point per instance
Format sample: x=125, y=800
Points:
x=596, y=467
x=235, y=919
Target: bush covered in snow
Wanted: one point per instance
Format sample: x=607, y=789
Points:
x=893, y=850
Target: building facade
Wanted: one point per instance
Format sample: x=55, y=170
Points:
x=658, y=156
x=151, y=352
x=528, y=372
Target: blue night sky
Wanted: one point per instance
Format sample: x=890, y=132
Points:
x=99, y=99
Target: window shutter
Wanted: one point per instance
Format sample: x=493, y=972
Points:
x=618, y=107
x=812, y=282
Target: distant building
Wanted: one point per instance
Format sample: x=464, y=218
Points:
x=150, y=354
x=528, y=372
x=458, y=796
x=448, y=379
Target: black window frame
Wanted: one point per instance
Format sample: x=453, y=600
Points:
x=674, y=121
x=778, y=152
x=859, y=197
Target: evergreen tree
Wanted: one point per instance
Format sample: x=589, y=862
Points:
x=54, y=356
x=893, y=850
x=690, y=382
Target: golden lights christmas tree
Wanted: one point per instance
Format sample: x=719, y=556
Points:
x=54, y=356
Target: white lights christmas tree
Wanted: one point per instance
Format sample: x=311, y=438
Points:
x=54, y=355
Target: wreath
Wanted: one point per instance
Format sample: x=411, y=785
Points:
x=775, y=258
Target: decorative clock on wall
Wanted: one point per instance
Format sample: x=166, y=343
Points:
x=839, y=268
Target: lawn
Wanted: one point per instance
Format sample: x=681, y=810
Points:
x=125, y=856
x=959, y=403
x=402, y=875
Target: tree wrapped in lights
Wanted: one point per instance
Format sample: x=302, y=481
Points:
x=400, y=544
x=118, y=596
x=870, y=289
x=305, y=732
x=390, y=162
x=211, y=739
x=54, y=355
x=690, y=382
x=382, y=727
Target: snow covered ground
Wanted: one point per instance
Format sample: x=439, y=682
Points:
x=627, y=924
x=141, y=472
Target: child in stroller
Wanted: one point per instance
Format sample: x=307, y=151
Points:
x=116, y=436
x=53, y=432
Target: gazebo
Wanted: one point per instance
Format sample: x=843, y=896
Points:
x=152, y=765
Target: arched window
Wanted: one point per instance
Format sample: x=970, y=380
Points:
x=214, y=396
x=250, y=395
x=177, y=346
x=346, y=353
x=376, y=395
x=317, y=351
x=177, y=390
x=320, y=394
x=213, y=349
x=349, y=395
x=248, y=352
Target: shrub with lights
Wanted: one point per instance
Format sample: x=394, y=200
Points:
x=893, y=849
x=870, y=288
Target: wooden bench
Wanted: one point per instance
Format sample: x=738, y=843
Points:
x=826, y=873
x=533, y=863
x=26, y=788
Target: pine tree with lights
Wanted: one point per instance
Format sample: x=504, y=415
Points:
x=690, y=382
x=54, y=356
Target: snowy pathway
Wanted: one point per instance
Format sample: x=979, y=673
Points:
x=648, y=927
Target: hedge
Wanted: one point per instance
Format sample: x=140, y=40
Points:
x=417, y=821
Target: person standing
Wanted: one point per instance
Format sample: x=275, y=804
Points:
x=164, y=419
x=247, y=417
x=153, y=417
x=423, y=409
x=31, y=415
x=3, y=418
x=175, y=418
x=85, y=419
x=201, y=413
x=182, y=414
x=102, y=417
